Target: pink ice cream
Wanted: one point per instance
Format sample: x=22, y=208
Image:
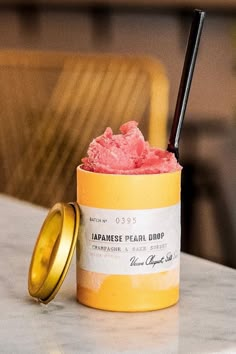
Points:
x=127, y=153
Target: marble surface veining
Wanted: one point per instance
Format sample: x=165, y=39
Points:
x=204, y=321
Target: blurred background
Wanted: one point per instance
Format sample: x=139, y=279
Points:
x=39, y=42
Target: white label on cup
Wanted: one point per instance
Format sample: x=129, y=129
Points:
x=129, y=241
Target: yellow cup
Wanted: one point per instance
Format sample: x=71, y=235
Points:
x=128, y=250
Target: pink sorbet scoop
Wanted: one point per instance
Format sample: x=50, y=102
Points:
x=127, y=153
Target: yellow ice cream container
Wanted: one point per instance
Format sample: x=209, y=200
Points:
x=128, y=249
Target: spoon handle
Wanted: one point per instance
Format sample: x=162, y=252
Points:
x=186, y=79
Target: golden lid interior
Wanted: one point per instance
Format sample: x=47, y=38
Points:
x=53, y=251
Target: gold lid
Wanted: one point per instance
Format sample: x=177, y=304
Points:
x=53, y=251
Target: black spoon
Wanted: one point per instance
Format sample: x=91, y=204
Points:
x=186, y=79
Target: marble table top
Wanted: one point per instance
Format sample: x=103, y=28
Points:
x=204, y=321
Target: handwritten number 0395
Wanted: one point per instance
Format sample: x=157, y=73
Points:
x=126, y=220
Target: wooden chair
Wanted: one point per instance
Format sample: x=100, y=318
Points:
x=53, y=104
